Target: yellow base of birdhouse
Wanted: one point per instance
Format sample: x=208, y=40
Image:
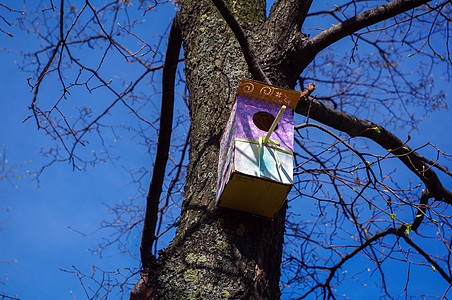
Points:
x=257, y=196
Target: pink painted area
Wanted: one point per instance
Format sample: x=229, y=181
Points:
x=226, y=151
x=245, y=128
x=227, y=138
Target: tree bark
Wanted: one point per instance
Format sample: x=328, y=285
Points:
x=216, y=253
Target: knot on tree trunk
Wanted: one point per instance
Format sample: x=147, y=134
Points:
x=143, y=288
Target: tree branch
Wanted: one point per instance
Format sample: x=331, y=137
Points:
x=161, y=158
x=6, y=296
x=33, y=106
x=427, y=257
x=358, y=249
x=287, y=16
x=364, y=128
x=440, y=167
x=358, y=22
x=247, y=50
x=400, y=232
x=423, y=204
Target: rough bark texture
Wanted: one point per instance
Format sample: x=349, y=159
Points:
x=217, y=253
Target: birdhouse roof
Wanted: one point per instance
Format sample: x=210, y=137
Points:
x=269, y=93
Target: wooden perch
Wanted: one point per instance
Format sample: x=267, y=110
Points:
x=307, y=91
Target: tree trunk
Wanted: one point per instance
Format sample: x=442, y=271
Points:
x=216, y=253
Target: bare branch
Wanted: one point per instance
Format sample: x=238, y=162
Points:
x=166, y=121
x=427, y=257
x=362, y=20
x=356, y=127
x=6, y=296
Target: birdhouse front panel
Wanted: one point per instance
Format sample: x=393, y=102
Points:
x=255, y=169
x=273, y=160
x=254, y=117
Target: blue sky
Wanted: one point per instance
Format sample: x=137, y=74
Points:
x=35, y=237
x=34, y=231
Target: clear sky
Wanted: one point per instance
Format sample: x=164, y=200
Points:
x=34, y=232
x=36, y=241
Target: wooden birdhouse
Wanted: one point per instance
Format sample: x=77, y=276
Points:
x=255, y=169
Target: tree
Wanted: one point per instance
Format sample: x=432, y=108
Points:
x=369, y=209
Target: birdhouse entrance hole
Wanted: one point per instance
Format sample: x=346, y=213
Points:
x=264, y=120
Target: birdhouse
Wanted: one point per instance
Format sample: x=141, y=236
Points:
x=255, y=169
